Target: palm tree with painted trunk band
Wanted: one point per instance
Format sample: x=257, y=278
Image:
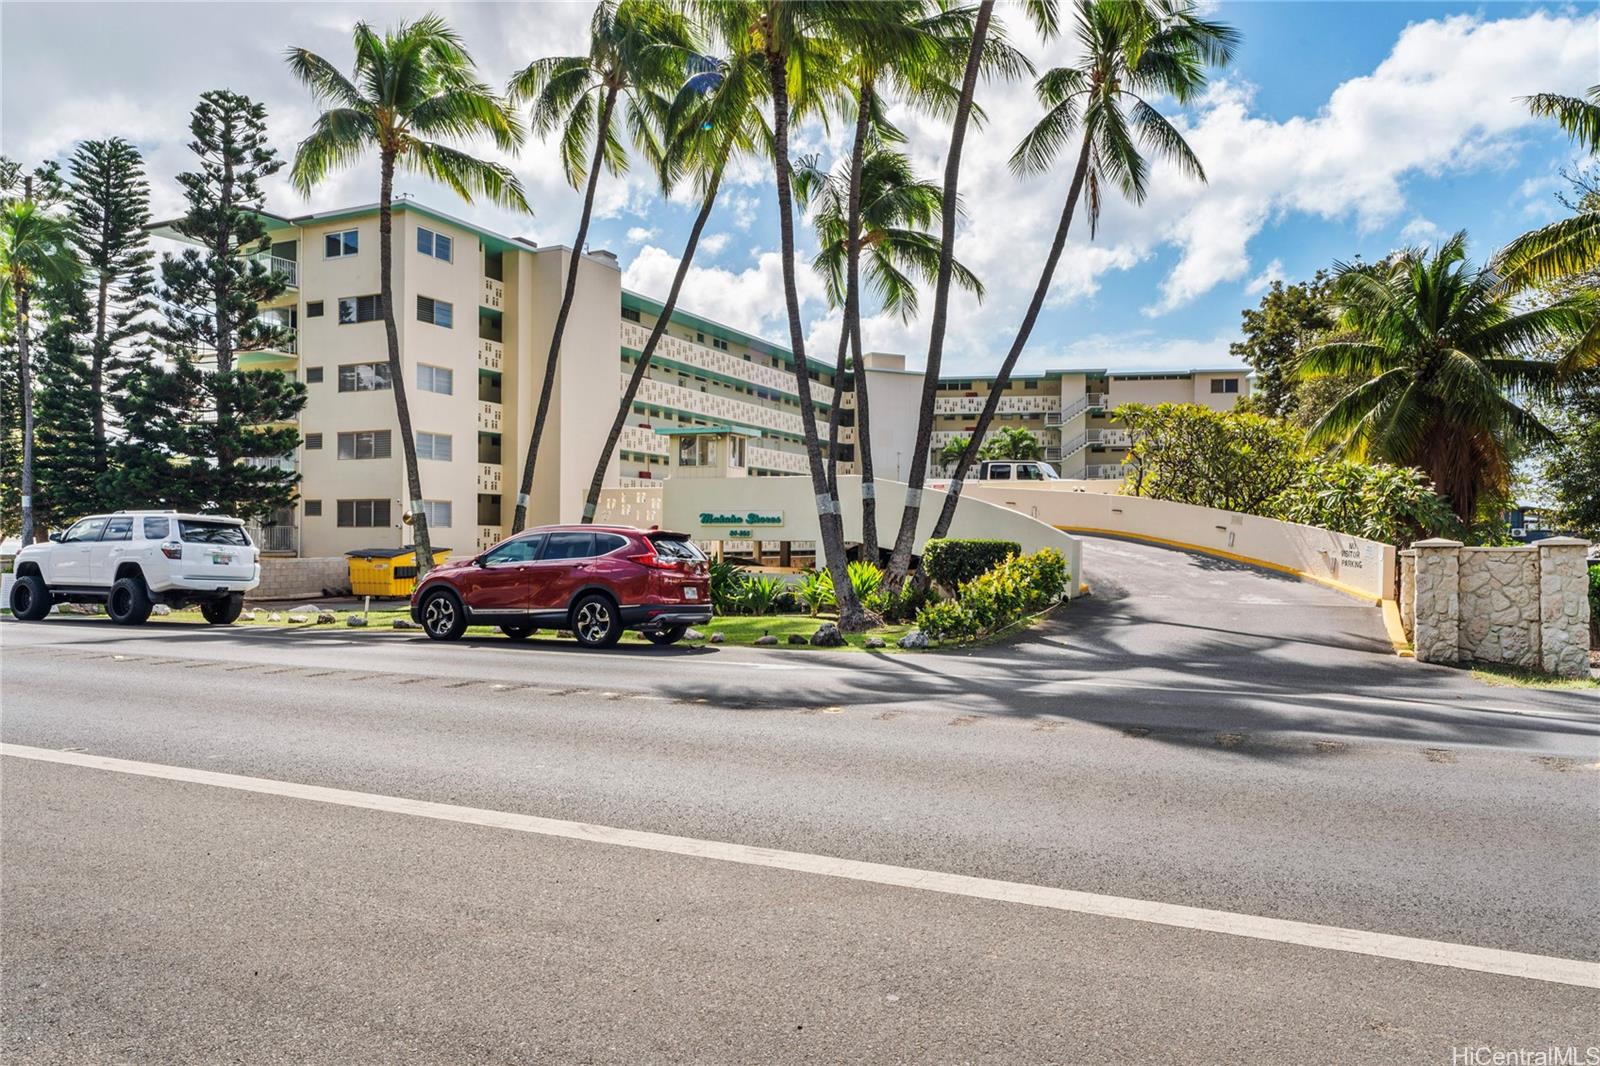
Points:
x=711, y=121
x=413, y=96
x=637, y=48
x=1445, y=357
x=35, y=251
x=1131, y=50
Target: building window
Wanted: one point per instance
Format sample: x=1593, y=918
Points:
x=364, y=444
x=438, y=312
x=314, y=309
x=630, y=314
x=313, y=508
x=720, y=344
x=1224, y=385
x=437, y=512
x=697, y=451
x=313, y=375
x=313, y=442
x=435, y=244
x=353, y=309
x=363, y=514
x=435, y=379
x=365, y=377
x=340, y=245
x=435, y=446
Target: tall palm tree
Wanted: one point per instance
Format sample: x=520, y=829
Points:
x=413, y=95
x=712, y=121
x=893, y=211
x=35, y=250
x=799, y=46
x=1131, y=50
x=636, y=47
x=1443, y=356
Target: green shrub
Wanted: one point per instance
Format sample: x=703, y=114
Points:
x=726, y=581
x=760, y=594
x=1019, y=585
x=896, y=606
x=947, y=620
x=1594, y=602
x=866, y=578
x=951, y=562
x=815, y=591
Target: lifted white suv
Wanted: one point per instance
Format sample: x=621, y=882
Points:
x=132, y=560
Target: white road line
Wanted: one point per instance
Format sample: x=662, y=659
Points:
x=1305, y=934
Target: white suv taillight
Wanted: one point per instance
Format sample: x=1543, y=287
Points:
x=172, y=549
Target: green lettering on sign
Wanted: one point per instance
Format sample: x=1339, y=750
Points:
x=743, y=518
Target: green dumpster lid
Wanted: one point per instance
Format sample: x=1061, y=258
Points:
x=387, y=553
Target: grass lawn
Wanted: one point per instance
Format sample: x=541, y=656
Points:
x=1516, y=677
x=738, y=629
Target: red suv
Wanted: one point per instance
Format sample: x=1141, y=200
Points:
x=594, y=580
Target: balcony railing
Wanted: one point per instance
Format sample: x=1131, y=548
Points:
x=494, y=294
x=847, y=434
x=489, y=477
x=653, y=393
x=1009, y=405
x=1086, y=402
x=275, y=540
x=491, y=354
x=726, y=364
x=488, y=537
x=489, y=416
x=773, y=459
x=286, y=463
x=1103, y=471
x=642, y=441
x=287, y=269
x=1104, y=438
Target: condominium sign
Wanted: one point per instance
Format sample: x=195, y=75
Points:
x=741, y=523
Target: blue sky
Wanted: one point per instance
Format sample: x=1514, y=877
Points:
x=1342, y=129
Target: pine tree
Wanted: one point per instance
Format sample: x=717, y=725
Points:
x=191, y=425
x=109, y=202
x=68, y=469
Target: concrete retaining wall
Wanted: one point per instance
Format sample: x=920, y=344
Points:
x=1524, y=606
x=291, y=579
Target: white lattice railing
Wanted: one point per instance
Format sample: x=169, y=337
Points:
x=1009, y=405
x=489, y=416
x=1096, y=400
x=489, y=477
x=641, y=440
x=725, y=364
x=712, y=405
x=772, y=459
x=491, y=354
x=1098, y=471
x=630, y=507
x=494, y=294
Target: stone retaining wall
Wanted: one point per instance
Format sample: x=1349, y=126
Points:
x=1525, y=606
x=293, y=579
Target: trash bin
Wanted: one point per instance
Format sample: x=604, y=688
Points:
x=387, y=572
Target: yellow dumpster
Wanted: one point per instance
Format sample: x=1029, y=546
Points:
x=390, y=572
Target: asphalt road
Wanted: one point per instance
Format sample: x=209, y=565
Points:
x=1195, y=733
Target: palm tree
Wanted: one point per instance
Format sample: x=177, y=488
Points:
x=1130, y=51
x=414, y=90
x=35, y=250
x=1443, y=357
x=893, y=212
x=950, y=454
x=1010, y=442
x=636, y=47
x=713, y=120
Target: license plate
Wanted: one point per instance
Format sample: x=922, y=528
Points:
x=691, y=593
x=222, y=560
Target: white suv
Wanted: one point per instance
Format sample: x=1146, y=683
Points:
x=132, y=560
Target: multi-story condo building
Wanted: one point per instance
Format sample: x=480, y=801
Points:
x=475, y=311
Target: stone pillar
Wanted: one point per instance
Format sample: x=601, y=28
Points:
x=1436, y=620
x=1564, y=606
x=1408, y=591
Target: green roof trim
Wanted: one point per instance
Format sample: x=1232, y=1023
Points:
x=634, y=301
x=701, y=431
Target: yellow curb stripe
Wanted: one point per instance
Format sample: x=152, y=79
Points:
x=1397, y=630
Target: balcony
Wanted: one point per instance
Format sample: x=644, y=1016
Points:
x=847, y=400
x=274, y=539
x=287, y=269
x=642, y=441
x=488, y=416
x=1100, y=438
x=489, y=477
x=847, y=434
x=488, y=537
x=1009, y=405
x=771, y=459
x=715, y=406
x=1104, y=471
x=1087, y=402
x=491, y=354
x=494, y=294
x=724, y=364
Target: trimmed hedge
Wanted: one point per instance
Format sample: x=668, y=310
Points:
x=1018, y=586
x=952, y=562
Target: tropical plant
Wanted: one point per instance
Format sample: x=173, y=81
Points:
x=948, y=562
x=1131, y=49
x=814, y=589
x=1391, y=504
x=1572, y=245
x=636, y=49
x=413, y=97
x=1010, y=442
x=1571, y=466
x=1017, y=586
x=35, y=250
x=1289, y=319
x=1232, y=460
x=726, y=578
x=712, y=121
x=1444, y=356
x=953, y=449
x=865, y=577
x=760, y=594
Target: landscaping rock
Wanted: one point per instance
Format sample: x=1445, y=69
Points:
x=274, y=617
x=298, y=619
x=693, y=634
x=564, y=633
x=82, y=608
x=326, y=618
x=356, y=621
x=873, y=642
x=797, y=638
x=160, y=609
x=766, y=640
x=249, y=614
x=307, y=608
x=828, y=636
x=914, y=639
x=404, y=623
x=717, y=638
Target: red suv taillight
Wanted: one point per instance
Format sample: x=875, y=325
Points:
x=172, y=549
x=655, y=562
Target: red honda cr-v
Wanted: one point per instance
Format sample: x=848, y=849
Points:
x=594, y=580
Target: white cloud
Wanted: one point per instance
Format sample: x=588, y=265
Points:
x=1420, y=231
x=749, y=299
x=1263, y=281
x=712, y=244
x=638, y=234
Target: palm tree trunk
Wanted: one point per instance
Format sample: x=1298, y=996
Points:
x=852, y=241
x=520, y=516
x=592, y=501
x=851, y=616
x=397, y=377
x=900, y=558
x=992, y=403
x=25, y=380
x=852, y=321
